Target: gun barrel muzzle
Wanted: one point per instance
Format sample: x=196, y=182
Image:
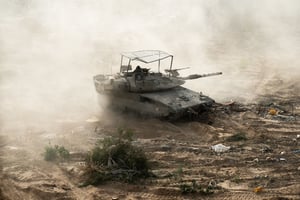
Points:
x=195, y=76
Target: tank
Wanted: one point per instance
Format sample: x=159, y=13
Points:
x=150, y=92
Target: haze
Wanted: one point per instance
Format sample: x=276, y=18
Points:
x=50, y=50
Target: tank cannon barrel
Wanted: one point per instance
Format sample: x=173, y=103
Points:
x=195, y=76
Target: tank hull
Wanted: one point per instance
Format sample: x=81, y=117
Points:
x=169, y=104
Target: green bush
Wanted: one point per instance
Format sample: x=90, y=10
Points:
x=116, y=158
x=50, y=153
x=56, y=153
x=62, y=152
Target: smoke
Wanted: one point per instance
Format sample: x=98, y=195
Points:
x=50, y=50
x=251, y=42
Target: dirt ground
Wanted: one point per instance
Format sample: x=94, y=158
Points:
x=266, y=159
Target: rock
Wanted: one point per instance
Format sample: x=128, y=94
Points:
x=220, y=148
x=248, y=148
x=271, y=159
x=165, y=147
x=266, y=149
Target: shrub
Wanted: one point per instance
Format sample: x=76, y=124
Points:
x=56, y=153
x=62, y=152
x=116, y=158
x=50, y=153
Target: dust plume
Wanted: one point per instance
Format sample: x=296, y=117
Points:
x=50, y=50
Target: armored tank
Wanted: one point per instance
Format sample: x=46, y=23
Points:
x=149, y=92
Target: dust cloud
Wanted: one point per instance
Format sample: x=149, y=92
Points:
x=50, y=50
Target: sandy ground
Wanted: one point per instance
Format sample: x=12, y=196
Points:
x=179, y=152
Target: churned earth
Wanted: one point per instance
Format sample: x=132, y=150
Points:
x=263, y=161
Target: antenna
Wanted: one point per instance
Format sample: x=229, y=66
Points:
x=111, y=64
x=110, y=68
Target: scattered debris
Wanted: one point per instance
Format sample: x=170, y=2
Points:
x=296, y=151
x=271, y=159
x=282, y=159
x=258, y=189
x=273, y=111
x=261, y=176
x=234, y=106
x=220, y=148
